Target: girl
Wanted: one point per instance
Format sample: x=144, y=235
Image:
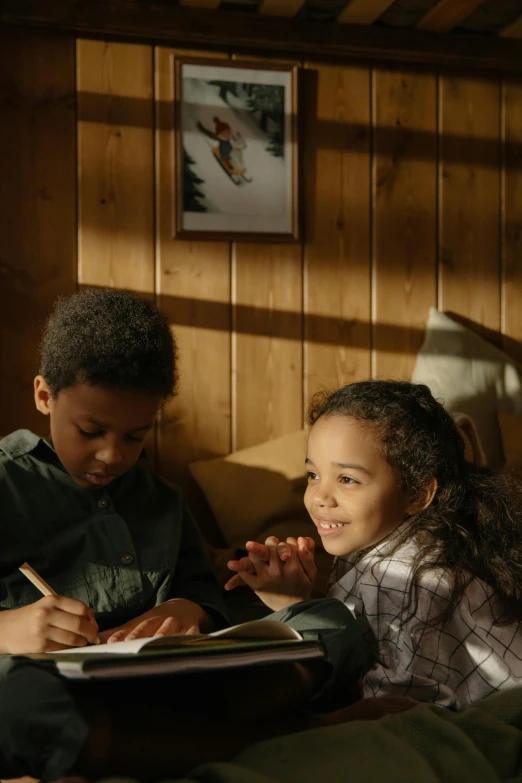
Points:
x=428, y=547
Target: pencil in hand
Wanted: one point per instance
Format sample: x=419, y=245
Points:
x=42, y=585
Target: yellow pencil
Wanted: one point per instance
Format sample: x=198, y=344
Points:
x=41, y=584
x=37, y=580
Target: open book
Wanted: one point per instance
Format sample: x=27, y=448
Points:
x=255, y=642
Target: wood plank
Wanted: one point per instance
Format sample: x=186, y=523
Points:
x=513, y=30
x=37, y=207
x=200, y=3
x=512, y=220
x=280, y=7
x=363, y=11
x=268, y=370
x=447, y=14
x=404, y=221
x=193, y=288
x=177, y=25
x=336, y=172
x=469, y=197
x=115, y=165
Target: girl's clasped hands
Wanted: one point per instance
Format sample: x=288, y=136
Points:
x=281, y=573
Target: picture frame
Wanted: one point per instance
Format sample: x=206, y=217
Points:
x=236, y=150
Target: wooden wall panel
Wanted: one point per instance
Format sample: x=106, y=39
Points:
x=268, y=371
x=193, y=288
x=470, y=200
x=512, y=219
x=336, y=174
x=116, y=165
x=37, y=207
x=404, y=217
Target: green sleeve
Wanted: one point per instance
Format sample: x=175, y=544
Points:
x=344, y=650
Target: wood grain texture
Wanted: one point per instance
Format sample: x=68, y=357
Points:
x=115, y=165
x=469, y=196
x=447, y=14
x=512, y=219
x=267, y=357
x=363, y=11
x=200, y=3
x=404, y=221
x=37, y=207
x=193, y=288
x=336, y=173
x=280, y=7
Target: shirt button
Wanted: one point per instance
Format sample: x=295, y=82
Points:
x=127, y=558
x=103, y=503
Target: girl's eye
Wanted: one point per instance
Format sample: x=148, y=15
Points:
x=311, y=476
x=135, y=440
x=348, y=480
x=89, y=434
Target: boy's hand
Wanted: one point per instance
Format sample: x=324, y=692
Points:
x=52, y=623
x=278, y=582
x=177, y=616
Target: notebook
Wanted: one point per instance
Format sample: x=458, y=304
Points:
x=252, y=643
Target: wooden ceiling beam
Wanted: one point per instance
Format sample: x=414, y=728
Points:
x=262, y=35
x=286, y=8
x=212, y=4
x=363, y=11
x=513, y=30
x=447, y=14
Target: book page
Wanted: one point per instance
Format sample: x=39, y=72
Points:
x=270, y=630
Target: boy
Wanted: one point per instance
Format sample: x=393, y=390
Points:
x=116, y=542
x=120, y=548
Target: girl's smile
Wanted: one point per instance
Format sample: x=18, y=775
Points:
x=329, y=527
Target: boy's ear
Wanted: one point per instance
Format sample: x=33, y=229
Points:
x=425, y=498
x=42, y=395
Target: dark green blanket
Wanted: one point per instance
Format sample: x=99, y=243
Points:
x=482, y=744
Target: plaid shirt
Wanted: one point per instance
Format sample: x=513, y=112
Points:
x=466, y=660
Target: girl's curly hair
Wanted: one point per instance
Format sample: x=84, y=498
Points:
x=473, y=527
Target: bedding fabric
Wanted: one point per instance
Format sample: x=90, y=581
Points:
x=424, y=745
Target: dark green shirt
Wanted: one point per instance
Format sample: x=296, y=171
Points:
x=122, y=549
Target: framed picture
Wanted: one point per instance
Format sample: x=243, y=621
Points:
x=236, y=150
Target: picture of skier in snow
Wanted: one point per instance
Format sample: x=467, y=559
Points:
x=223, y=133
x=235, y=150
x=229, y=153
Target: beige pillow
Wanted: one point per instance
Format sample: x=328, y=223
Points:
x=470, y=375
x=258, y=492
x=511, y=429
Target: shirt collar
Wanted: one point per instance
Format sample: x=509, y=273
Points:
x=384, y=547
x=22, y=442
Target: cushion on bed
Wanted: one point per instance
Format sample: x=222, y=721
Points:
x=470, y=375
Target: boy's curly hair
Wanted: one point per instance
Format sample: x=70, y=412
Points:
x=473, y=527
x=111, y=338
